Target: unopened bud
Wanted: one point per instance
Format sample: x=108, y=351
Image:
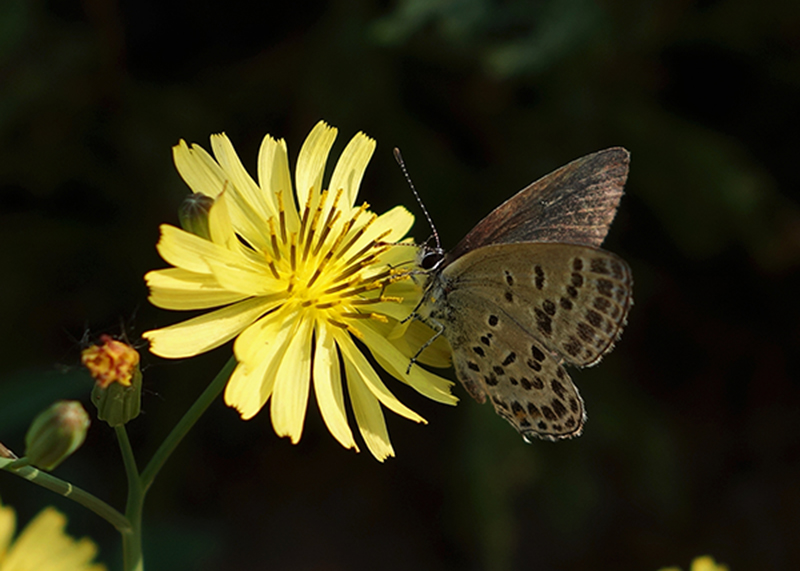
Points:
x=117, y=393
x=55, y=434
x=193, y=214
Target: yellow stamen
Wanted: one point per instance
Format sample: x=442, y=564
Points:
x=374, y=244
x=276, y=252
x=358, y=234
x=306, y=210
x=380, y=299
x=313, y=228
x=281, y=215
x=333, y=217
x=293, y=252
x=376, y=316
x=317, y=273
x=275, y=273
x=339, y=288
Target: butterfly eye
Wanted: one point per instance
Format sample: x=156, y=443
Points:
x=430, y=259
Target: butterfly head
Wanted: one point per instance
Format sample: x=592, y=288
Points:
x=430, y=258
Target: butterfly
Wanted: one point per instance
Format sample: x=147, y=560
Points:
x=528, y=290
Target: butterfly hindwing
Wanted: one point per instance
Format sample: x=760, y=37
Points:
x=575, y=299
x=496, y=358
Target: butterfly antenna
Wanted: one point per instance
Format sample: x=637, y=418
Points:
x=399, y=158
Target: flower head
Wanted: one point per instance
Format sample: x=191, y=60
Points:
x=43, y=545
x=298, y=279
x=111, y=361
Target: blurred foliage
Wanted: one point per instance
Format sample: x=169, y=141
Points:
x=692, y=442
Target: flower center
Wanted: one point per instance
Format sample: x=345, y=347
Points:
x=328, y=267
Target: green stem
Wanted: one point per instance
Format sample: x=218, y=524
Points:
x=74, y=493
x=132, y=540
x=130, y=524
x=213, y=390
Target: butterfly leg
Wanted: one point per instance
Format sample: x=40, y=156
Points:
x=439, y=330
x=415, y=315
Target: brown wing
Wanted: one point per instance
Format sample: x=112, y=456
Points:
x=526, y=385
x=574, y=204
x=574, y=299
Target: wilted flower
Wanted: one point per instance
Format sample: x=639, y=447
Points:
x=111, y=361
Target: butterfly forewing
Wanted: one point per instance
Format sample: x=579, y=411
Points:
x=574, y=204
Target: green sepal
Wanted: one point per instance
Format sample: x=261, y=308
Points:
x=193, y=214
x=118, y=404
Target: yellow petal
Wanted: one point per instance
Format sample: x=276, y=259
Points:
x=408, y=291
x=402, y=256
x=290, y=395
x=204, y=332
x=397, y=222
x=390, y=358
x=259, y=349
x=273, y=171
x=274, y=177
x=410, y=336
x=198, y=169
x=247, y=207
x=185, y=250
x=250, y=387
x=44, y=546
x=219, y=222
x=370, y=378
x=8, y=522
x=240, y=275
x=351, y=166
x=707, y=563
x=328, y=387
x=174, y=288
x=263, y=336
x=248, y=191
x=311, y=161
x=369, y=415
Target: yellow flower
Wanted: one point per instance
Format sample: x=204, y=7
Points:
x=43, y=545
x=298, y=283
x=705, y=563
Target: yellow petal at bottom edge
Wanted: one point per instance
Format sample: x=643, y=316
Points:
x=370, y=379
x=369, y=415
x=328, y=388
x=293, y=378
x=44, y=546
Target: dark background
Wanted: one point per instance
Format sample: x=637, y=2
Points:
x=692, y=442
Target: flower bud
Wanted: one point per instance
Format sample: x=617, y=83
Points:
x=117, y=393
x=118, y=404
x=193, y=214
x=111, y=362
x=55, y=434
